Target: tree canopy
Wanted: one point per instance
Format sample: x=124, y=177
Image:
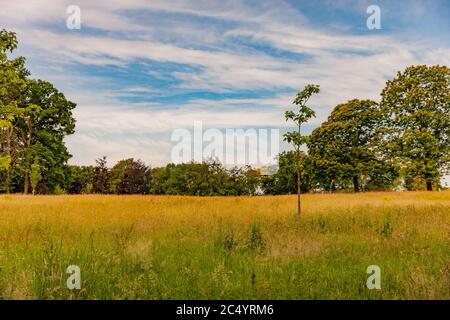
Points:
x=34, y=119
x=417, y=106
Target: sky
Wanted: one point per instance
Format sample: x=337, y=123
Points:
x=139, y=69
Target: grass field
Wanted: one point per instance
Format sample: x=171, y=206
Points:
x=159, y=247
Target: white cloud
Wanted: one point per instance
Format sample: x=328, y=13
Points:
x=225, y=56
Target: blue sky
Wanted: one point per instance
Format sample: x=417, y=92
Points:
x=140, y=69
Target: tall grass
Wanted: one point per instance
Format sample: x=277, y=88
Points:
x=160, y=247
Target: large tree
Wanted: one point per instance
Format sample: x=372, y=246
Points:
x=417, y=104
x=47, y=121
x=13, y=86
x=34, y=119
x=345, y=148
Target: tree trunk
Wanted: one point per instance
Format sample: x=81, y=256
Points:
x=429, y=186
x=299, y=208
x=8, y=153
x=355, y=184
x=26, y=184
x=8, y=180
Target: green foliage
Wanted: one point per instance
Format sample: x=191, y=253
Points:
x=284, y=181
x=12, y=98
x=34, y=119
x=203, y=179
x=128, y=177
x=345, y=148
x=417, y=104
x=388, y=227
x=100, y=177
x=58, y=190
x=78, y=179
x=35, y=174
x=229, y=242
x=256, y=241
x=5, y=162
x=303, y=115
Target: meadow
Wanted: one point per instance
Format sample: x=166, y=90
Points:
x=175, y=247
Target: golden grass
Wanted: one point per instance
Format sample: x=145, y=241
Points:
x=153, y=240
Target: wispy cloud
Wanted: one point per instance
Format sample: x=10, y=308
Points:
x=139, y=69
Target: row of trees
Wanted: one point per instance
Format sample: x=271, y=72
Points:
x=134, y=177
x=401, y=141
x=211, y=178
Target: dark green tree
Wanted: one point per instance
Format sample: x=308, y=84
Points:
x=128, y=177
x=79, y=179
x=100, y=177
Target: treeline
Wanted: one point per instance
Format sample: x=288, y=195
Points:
x=211, y=178
x=134, y=177
x=401, y=141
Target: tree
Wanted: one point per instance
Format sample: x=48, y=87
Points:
x=284, y=181
x=34, y=119
x=129, y=177
x=48, y=120
x=35, y=175
x=345, y=147
x=417, y=104
x=12, y=87
x=79, y=179
x=303, y=115
x=100, y=177
x=30, y=113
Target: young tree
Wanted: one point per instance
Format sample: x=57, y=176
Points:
x=303, y=115
x=27, y=130
x=35, y=175
x=100, y=177
x=417, y=103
